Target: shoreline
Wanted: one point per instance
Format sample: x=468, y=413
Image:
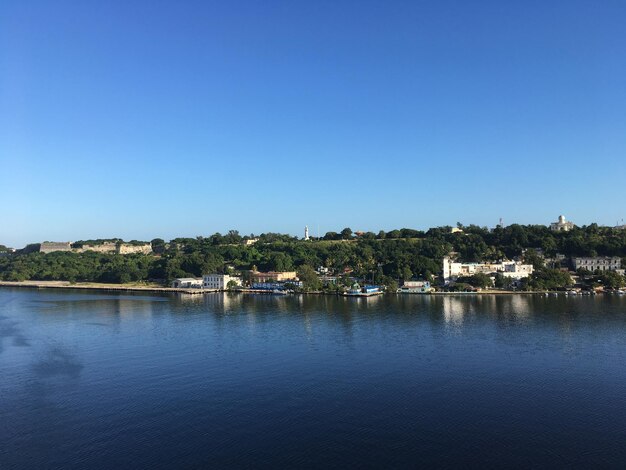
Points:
x=101, y=287
x=166, y=290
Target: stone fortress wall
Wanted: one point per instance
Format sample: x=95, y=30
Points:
x=106, y=247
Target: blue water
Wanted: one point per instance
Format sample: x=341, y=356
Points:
x=92, y=380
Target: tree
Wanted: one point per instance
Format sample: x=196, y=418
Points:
x=502, y=282
x=158, y=246
x=309, y=278
x=461, y=287
x=531, y=257
x=346, y=233
x=233, y=237
x=391, y=285
x=549, y=279
x=231, y=285
x=279, y=261
x=612, y=280
x=480, y=280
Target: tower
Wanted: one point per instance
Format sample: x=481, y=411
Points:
x=306, y=232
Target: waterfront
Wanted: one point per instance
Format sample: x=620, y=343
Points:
x=103, y=380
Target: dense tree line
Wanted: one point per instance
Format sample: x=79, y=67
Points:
x=383, y=257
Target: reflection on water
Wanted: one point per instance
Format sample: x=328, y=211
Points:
x=228, y=380
x=10, y=331
x=57, y=361
x=516, y=308
x=453, y=310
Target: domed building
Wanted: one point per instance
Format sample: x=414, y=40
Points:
x=561, y=225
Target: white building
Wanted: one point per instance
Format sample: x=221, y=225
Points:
x=415, y=287
x=218, y=281
x=306, y=232
x=515, y=270
x=597, y=263
x=561, y=225
x=511, y=269
x=187, y=283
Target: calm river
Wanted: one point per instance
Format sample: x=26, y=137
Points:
x=96, y=380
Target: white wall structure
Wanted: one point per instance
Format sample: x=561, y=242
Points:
x=218, y=281
x=511, y=269
x=187, y=283
x=50, y=247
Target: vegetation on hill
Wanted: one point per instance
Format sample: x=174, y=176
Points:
x=386, y=257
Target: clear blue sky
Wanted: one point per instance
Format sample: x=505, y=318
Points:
x=162, y=119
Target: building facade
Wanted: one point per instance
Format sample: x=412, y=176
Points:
x=279, y=285
x=597, y=263
x=561, y=225
x=415, y=287
x=272, y=276
x=187, y=283
x=218, y=281
x=510, y=269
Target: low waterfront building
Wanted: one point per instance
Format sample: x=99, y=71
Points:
x=325, y=280
x=415, y=287
x=597, y=263
x=273, y=276
x=561, y=225
x=187, y=283
x=511, y=269
x=50, y=247
x=367, y=290
x=280, y=285
x=219, y=281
